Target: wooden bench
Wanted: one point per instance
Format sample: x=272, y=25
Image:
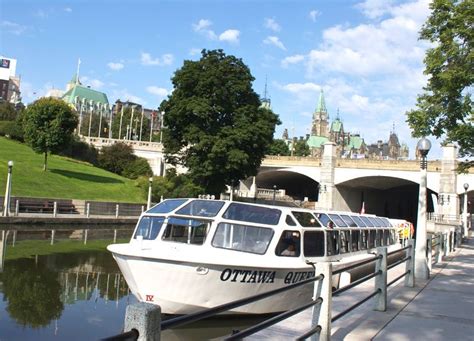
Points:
x=47, y=206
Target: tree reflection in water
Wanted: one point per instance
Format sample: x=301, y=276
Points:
x=32, y=292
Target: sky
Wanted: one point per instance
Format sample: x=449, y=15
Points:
x=365, y=55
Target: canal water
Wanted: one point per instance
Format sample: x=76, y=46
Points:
x=76, y=294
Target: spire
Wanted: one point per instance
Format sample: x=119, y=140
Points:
x=337, y=115
x=321, y=103
x=266, y=103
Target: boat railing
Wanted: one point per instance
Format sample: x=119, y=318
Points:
x=324, y=278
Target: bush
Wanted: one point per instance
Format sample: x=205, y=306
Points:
x=11, y=129
x=80, y=150
x=138, y=167
x=116, y=157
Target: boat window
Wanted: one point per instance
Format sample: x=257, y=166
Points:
x=313, y=245
x=372, y=238
x=345, y=241
x=375, y=222
x=289, y=244
x=355, y=235
x=332, y=243
x=358, y=221
x=202, y=208
x=189, y=231
x=348, y=220
x=367, y=222
x=324, y=219
x=289, y=221
x=167, y=206
x=252, y=214
x=387, y=222
x=364, y=239
x=386, y=237
x=306, y=219
x=337, y=220
x=149, y=227
x=242, y=238
x=393, y=237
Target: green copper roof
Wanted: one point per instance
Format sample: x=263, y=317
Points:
x=316, y=141
x=321, y=103
x=336, y=125
x=86, y=93
x=356, y=142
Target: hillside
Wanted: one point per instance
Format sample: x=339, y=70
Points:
x=65, y=178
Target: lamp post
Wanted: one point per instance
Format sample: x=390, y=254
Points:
x=466, y=187
x=6, y=203
x=421, y=263
x=150, y=183
x=274, y=193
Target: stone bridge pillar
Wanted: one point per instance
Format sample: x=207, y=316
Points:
x=448, y=200
x=326, y=186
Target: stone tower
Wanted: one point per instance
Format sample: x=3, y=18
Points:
x=320, y=118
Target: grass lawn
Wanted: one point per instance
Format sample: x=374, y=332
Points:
x=31, y=248
x=64, y=179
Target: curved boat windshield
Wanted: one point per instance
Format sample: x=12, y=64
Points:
x=167, y=206
x=252, y=214
x=149, y=227
x=201, y=208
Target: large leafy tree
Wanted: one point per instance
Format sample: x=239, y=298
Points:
x=301, y=148
x=445, y=107
x=278, y=147
x=48, y=126
x=216, y=126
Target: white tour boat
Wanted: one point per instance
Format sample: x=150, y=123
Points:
x=190, y=254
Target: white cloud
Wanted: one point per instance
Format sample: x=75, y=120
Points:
x=93, y=83
x=314, y=14
x=296, y=88
x=13, y=28
x=375, y=8
x=231, y=36
x=68, y=9
x=203, y=27
x=389, y=47
x=297, y=58
x=165, y=59
x=272, y=25
x=194, y=52
x=115, y=66
x=155, y=90
x=275, y=41
x=41, y=14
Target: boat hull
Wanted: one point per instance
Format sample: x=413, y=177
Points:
x=187, y=287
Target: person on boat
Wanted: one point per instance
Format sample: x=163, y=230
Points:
x=290, y=249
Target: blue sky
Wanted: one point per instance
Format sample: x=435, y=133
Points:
x=364, y=54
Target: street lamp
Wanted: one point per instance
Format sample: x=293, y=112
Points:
x=6, y=203
x=421, y=264
x=150, y=183
x=466, y=187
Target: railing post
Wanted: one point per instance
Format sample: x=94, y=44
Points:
x=439, y=257
x=381, y=280
x=410, y=264
x=322, y=313
x=146, y=319
x=445, y=244
x=55, y=209
x=429, y=253
x=17, y=208
x=117, y=209
x=88, y=209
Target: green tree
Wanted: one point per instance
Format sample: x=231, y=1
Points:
x=48, y=125
x=301, y=148
x=215, y=126
x=445, y=109
x=115, y=158
x=7, y=112
x=278, y=147
x=94, y=122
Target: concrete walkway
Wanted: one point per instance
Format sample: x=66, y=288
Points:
x=441, y=308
